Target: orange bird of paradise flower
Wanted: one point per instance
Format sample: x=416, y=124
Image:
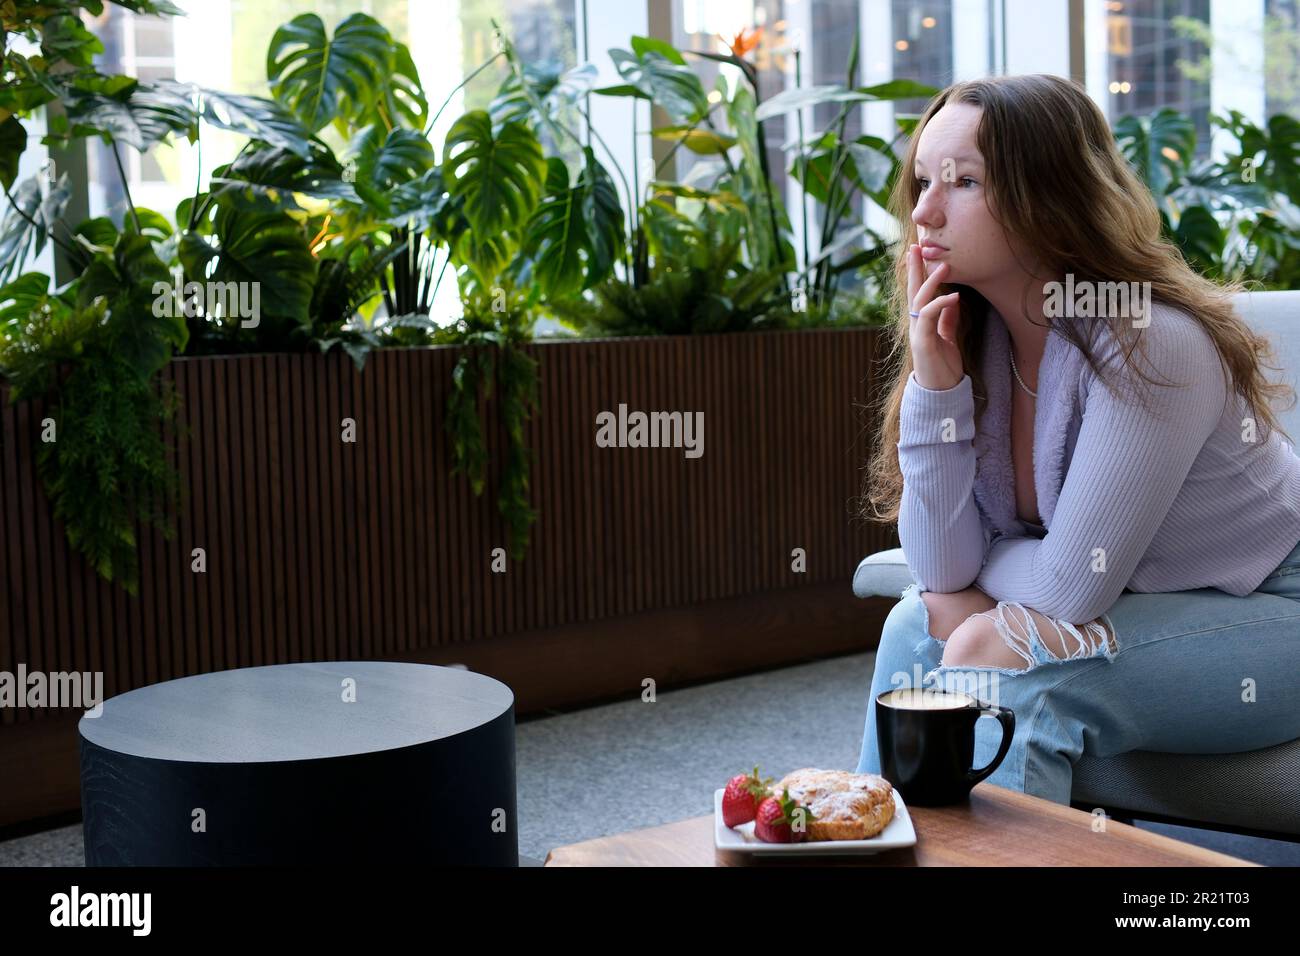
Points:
x=743, y=42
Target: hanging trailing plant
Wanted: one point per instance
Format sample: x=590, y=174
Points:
x=92, y=349
x=94, y=353
x=493, y=358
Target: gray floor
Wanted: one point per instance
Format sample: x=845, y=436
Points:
x=632, y=764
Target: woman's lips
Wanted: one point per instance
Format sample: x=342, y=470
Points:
x=932, y=252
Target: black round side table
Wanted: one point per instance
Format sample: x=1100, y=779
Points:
x=333, y=763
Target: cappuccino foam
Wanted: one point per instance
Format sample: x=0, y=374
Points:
x=917, y=698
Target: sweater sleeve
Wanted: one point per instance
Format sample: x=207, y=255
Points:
x=939, y=523
x=1128, y=466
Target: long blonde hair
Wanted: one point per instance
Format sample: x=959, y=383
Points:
x=1056, y=179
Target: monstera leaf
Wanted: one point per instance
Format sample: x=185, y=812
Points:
x=124, y=110
x=127, y=281
x=557, y=237
x=402, y=95
x=383, y=161
x=253, y=116
x=21, y=298
x=92, y=238
x=672, y=85
x=1201, y=239
x=496, y=175
x=265, y=180
x=552, y=89
x=269, y=249
x=320, y=78
x=604, y=218
x=1270, y=154
x=143, y=114
x=1217, y=186
x=1282, y=155
x=575, y=233
x=1159, y=147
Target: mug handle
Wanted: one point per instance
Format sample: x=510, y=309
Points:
x=1007, y=718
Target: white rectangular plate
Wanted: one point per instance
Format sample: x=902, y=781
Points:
x=898, y=833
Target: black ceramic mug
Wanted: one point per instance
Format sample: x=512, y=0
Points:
x=927, y=743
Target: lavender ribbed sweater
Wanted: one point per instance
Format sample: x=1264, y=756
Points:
x=1163, y=498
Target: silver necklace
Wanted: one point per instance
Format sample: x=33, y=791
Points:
x=1018, y=378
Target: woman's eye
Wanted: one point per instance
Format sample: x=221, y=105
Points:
x=965, y=181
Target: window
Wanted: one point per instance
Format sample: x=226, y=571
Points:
x=923, y=46
x=234, y=35
x=1282, y=57
x=1157, y=57
x=142, y=47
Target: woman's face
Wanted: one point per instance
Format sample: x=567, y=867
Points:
x=953, y=208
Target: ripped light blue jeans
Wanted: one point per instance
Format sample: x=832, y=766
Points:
x=1199, y=671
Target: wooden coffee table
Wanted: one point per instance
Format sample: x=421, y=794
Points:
x=998, y=827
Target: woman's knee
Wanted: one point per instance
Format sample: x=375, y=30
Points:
x=905, y=637
x=947, y=612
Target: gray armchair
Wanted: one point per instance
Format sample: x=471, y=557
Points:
x=1254, y=792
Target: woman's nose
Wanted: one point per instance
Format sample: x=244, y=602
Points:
x=929, y=209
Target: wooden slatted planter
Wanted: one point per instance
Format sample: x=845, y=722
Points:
x=644, y=562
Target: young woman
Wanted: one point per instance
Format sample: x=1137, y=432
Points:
x=1095, y=502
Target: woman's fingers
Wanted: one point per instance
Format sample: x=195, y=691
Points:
x=929, y=287
x=932, y=310
x=915, y=272
x=948, y=323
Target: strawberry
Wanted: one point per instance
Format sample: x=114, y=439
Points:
x=776, y=818
x=741, y=798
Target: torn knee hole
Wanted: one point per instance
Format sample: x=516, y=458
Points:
x=1016, y=639
x=1021, y=633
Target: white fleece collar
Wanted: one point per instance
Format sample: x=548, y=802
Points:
x=1057, y=417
